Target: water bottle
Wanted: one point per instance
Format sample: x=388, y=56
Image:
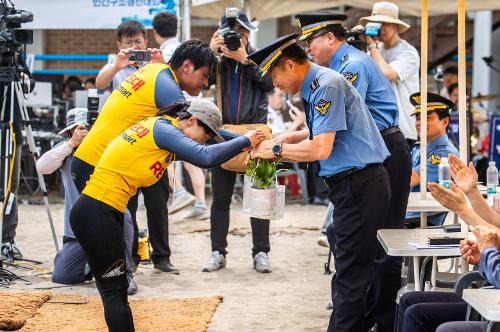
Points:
x=491, y=181
x=444, y=173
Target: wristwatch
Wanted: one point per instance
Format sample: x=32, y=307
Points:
x=277, y=149
x=372, y=45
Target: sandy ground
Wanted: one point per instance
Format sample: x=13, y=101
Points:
x=292, y=298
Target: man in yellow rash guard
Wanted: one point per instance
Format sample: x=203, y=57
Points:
x=145, y=92
x=137, y=158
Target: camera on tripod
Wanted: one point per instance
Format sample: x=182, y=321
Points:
x=11, y=39
x=231, y=37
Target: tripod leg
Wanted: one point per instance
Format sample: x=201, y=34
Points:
x=31, y=144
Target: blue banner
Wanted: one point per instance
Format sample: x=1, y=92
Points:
x=495, y=138
x=453, y=129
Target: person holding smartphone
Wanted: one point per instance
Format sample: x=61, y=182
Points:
x=131, y=35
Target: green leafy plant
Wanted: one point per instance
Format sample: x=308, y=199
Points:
x=263, y=173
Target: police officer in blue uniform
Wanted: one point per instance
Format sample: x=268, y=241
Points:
x=344, y=139
x=326, y=42
x=438, y=146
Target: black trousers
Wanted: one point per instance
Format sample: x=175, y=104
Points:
x=155, y=200
x=425, y=311
x=361, y=208
x=381, y=295
x=98, y=228
x=222, y=189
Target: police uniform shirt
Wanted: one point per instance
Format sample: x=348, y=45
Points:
x=140, y=154
x=359, y=69
x=332, y=104
x=141, y=95
x=437, y=149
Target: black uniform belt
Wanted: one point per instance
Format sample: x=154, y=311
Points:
x=390, y=131
x=334, y=179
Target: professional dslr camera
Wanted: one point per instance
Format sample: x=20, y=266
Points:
x=231, y=37
x=11, y=39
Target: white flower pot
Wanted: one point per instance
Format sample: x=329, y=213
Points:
x=262, y=202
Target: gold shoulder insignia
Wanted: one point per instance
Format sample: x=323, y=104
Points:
x=351, y=77
x=435, y=159
x=322, y=107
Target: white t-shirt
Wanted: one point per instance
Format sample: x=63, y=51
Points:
x=168, y=48
x=404, y=59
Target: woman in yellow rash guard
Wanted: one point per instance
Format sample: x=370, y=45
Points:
x=137, y=158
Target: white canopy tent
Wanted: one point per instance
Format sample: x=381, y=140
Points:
x=266, y=9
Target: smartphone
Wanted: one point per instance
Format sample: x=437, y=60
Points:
x=139, y=56
x=372, y=29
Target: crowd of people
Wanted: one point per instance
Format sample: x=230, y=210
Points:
x=359, y=130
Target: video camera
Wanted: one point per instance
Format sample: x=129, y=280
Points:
x=12, y=38
x=372, y=29
x=231, y=37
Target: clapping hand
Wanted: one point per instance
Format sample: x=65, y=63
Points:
x=453, y=199
x=486, y=237
x=465, y=177
x=470, y=251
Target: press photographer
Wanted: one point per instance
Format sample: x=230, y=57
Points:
x=242, y=97
x=15, y=81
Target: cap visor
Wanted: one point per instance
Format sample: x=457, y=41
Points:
x=71, y=126
x=247, y=25
x=218, y=138
x=304, y=37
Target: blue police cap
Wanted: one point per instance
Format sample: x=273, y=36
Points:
x=266, y=56
x=310, y=23
x=435, y=103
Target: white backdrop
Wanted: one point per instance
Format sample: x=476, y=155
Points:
x=91, y=14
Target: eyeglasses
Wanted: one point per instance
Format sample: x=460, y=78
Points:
x=308, y=41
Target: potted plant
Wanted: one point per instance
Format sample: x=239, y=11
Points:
x=261, y=188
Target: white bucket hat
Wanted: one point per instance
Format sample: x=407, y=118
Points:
x=385, y=12
x=74, y=117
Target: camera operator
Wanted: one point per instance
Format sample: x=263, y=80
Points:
x=398, y=60
x=243, y=101
x=325, y=40
x=9, y=250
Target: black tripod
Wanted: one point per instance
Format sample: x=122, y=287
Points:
x=7, y=150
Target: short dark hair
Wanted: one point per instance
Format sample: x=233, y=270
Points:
x=338, y=31
x=293, y=52
x=451, y=88
x=196, y=51
x=130, y=29
x=451, y=70
x=90, y=80
x=165, y=24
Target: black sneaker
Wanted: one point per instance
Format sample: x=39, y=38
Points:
x=167, y=267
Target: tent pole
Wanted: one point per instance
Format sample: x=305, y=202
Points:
x=423, y=108
x=462, y=103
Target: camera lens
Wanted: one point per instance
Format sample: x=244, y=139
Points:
x=139, y=57
x=232, y=40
